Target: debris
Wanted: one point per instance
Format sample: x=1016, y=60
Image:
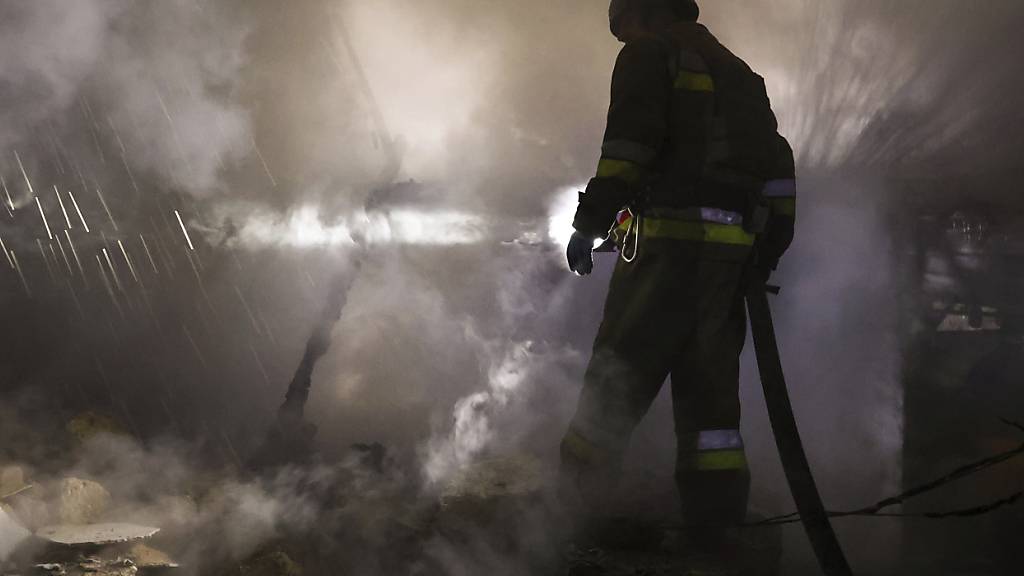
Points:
x=91, y=566
x=489, y=492
x=12, y=535
x=121, y=567
x=513, y=477
x=13, y=493
x=146, y=557
x=21, y=500
x=752, y=554
x=372, y=456
x=96, y=534
x=267, y=562
x=88, y=425
x=29, y=507
x=12, y=482
x=81, y=501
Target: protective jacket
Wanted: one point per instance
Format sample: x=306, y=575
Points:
x=692, y=141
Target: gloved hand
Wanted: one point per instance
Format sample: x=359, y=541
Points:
x=580, y=254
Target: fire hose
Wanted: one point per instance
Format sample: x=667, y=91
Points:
x=787, y=436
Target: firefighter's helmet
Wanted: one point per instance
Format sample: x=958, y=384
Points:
x=684, y=9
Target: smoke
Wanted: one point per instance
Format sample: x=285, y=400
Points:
x=157, y=80
x=41, y=80
x=279, y=133
x=891, y=88
x=174, y=72
x=162, y=484
x=493, y=418
x=235, y=515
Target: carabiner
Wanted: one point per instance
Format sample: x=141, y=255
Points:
x=634, y=226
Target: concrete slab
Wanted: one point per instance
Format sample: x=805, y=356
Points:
x=96, y=534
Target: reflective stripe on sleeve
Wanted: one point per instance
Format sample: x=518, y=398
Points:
x=783, y=206
x=694, y=82
x=622, y=169
x=783, y=188
x=628, y=151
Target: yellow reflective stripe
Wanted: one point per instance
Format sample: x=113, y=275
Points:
x=718, y=460
x=622, y=169
x=696, y=232
x=694, y=82
x=783, y=206
x=628, y=150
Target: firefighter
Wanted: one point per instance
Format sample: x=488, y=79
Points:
x=693, y=181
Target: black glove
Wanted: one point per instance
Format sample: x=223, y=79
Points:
x=580, y=254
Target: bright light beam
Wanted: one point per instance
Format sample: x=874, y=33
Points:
x=106, y=209
x=184, y=231
x=6, y=253
x=23, y=173
x=10, y=202
x=62, y=208
x=79, y=210
x=43, y=214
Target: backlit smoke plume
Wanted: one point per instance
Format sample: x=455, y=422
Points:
x=305, y=228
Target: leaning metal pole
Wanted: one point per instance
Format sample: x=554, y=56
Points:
x=291, y=437
x=319, y=342
x=787, y=435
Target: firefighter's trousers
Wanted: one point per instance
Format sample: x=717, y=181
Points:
x=672, y=311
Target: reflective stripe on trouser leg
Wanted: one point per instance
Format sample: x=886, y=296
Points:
x=713, y=450
x=711, y=468
x=713, y=478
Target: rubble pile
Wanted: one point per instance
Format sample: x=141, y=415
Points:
x=68, y=526
x=494, y=491
x=360, y=515
x=269, y=561
x=58, y=529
